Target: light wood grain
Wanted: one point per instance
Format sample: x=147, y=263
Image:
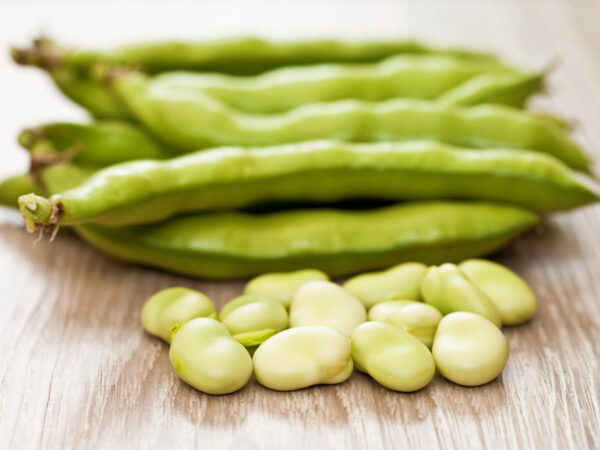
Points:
x=76, y=370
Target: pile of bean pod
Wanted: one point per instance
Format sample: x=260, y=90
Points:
x=232, y=158
x=298, y=329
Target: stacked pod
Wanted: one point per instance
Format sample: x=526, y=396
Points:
x=233, y=158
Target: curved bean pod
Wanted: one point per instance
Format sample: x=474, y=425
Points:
x=236, y=245
x=12, y=188
x=89, y=93
x=98, y=144
x=321, y=172
x=406, y=76
x=239, y=55
x=504, y=88
x=193, y=120
x=103, y=143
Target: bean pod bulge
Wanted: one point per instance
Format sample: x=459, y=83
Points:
x=419, y=319
x=449, y=290
x=304, y=356
x=168, y=309
x=282, y=286
x=205, y=356
x=508, y=291
x=328, y=304
x=252, y=319
x=393, y=357
x=401, y=281
x=469, y=349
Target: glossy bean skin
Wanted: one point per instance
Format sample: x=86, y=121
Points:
x=325, y=303
x=72, y=69
x=510, y=294
x=504, y=88
x=205, y=356
x=237, y=55
x=281, y=286
x=193, y=121
x=232, y=245
x=469, y=349
x=393, y=357
x=320, y=172
x=402, y=281
x=238, y=245
x=13, y=187
x=252, y=319
x=97, y=144
x=89, y=93
x=419, y=319
x=402, y=76
x=169, y=309
x=301, y=357
x=448, y=289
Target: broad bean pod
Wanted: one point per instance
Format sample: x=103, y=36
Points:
x=98, y=144
x=320, y=172
x=13, y=187
x=238, y=245
x=193, y=120
x=405, y=76
x=89, y=93
x=238, y=55
x=503, y=88
x=107, y=142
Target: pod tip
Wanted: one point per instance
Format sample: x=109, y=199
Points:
x=38, y=211
x=42, y=53
x=29, y=136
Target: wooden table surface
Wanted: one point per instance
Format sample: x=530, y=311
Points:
x=77, y=371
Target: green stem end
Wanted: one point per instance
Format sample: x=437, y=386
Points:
x=38, y=211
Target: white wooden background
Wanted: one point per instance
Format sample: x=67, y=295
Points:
x=76, y=370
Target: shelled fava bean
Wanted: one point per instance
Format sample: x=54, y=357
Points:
x=396, y=325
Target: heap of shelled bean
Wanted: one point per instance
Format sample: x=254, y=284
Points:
x=234, y=158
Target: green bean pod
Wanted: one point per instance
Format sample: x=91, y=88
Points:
x=504, y=88
x=98, y=144
x=12, y=188
x=404, y=76
x=238, y=55
x=237, y=245
x=319, y=172
x=89, y=93
x=193, y=120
